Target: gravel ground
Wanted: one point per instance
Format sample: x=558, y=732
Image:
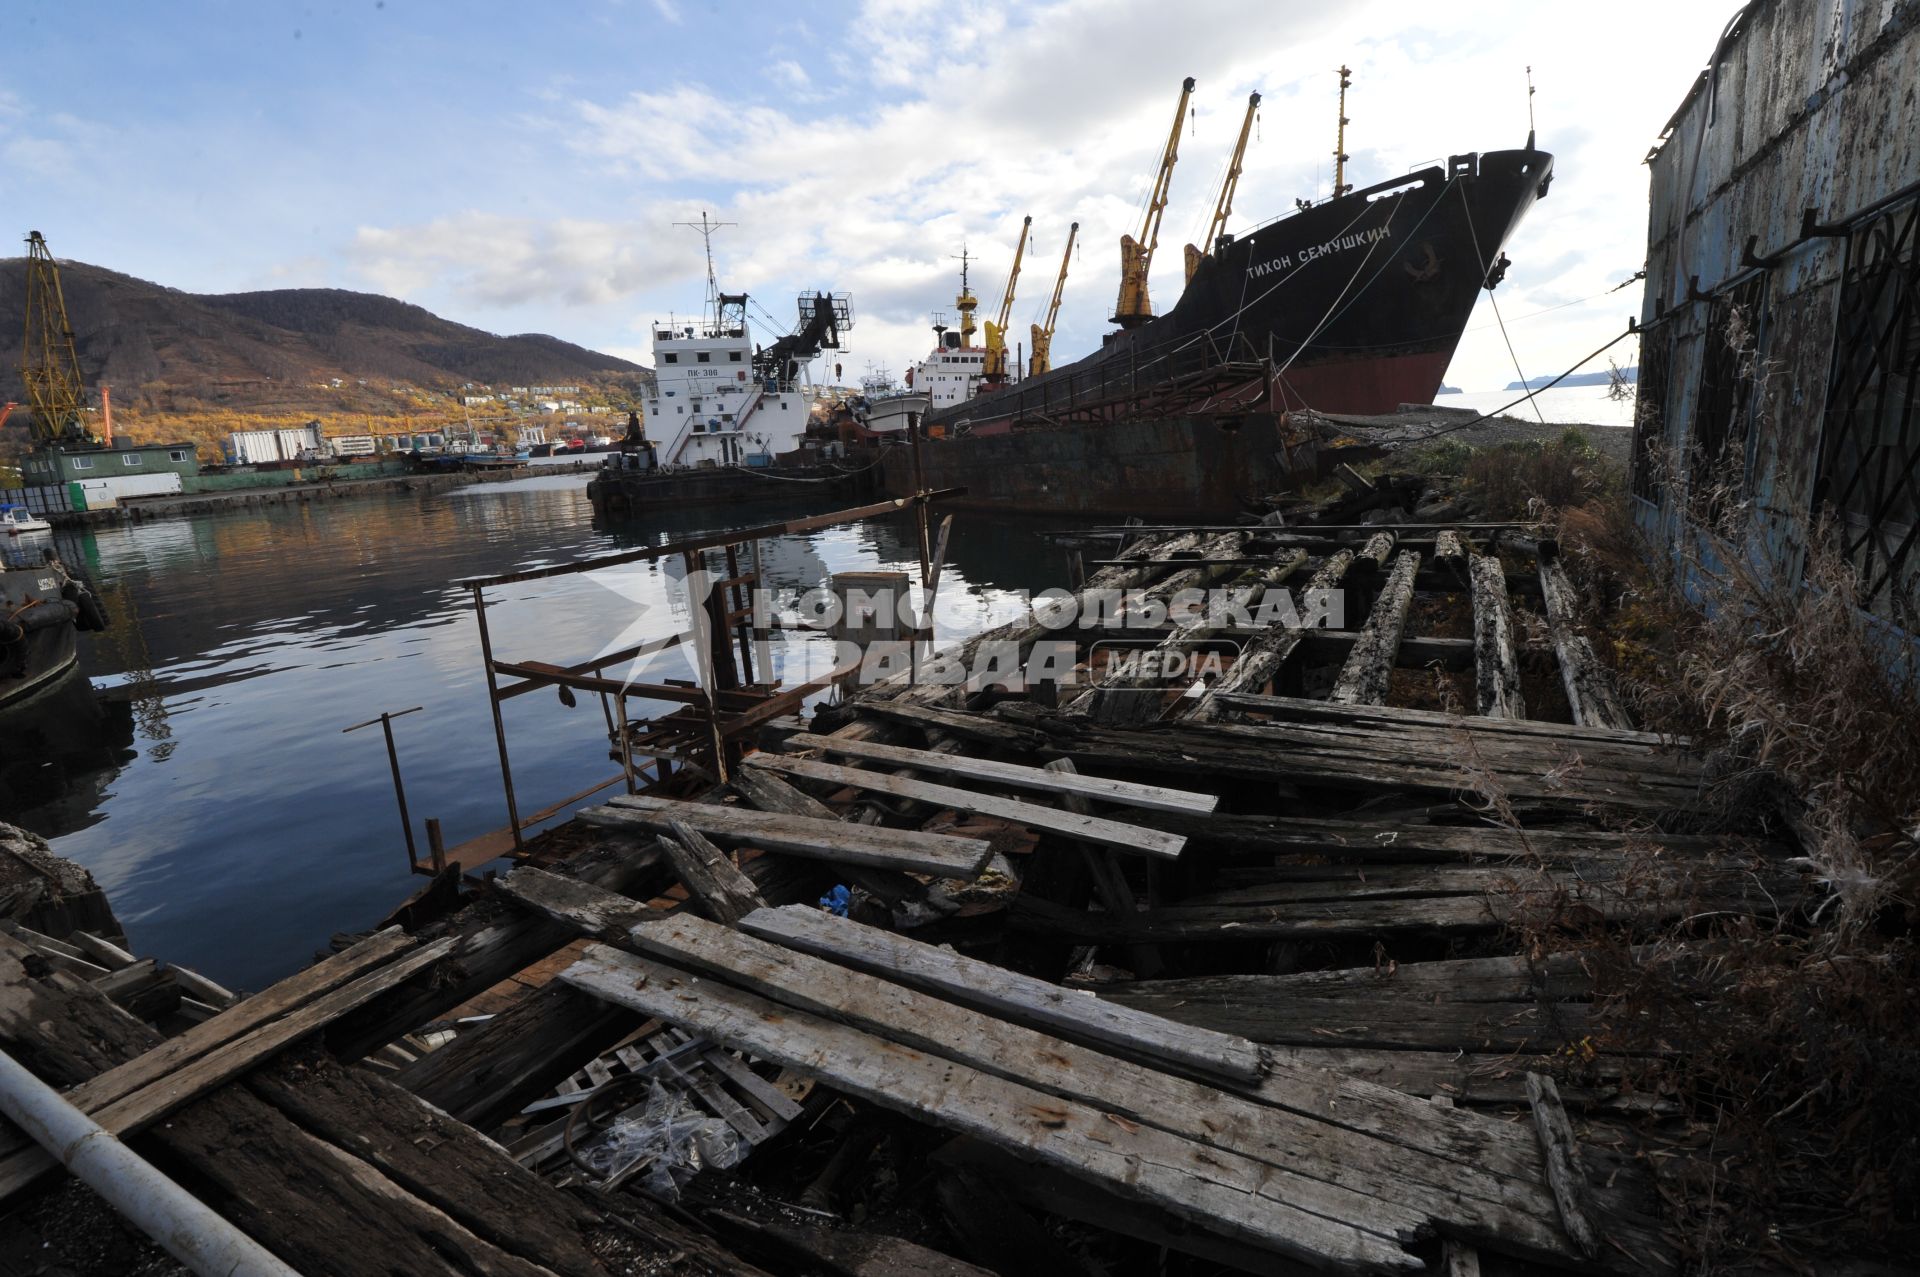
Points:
x=1411, y=427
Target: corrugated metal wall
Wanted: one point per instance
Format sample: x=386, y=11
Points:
x=1808, y=105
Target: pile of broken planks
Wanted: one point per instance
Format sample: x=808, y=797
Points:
x=1279, y=973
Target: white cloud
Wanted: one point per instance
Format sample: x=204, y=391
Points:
x=670, y=11
x=955, y=119
x=496, y=262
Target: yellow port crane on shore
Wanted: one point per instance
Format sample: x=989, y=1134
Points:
x=50, y=367
x=1223, y=208
x=994, y=366
x=1136, y=254
x=1041, y=360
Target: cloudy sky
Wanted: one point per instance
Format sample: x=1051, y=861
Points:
x=520, y=167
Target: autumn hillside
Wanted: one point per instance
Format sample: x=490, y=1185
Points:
x=317, y=351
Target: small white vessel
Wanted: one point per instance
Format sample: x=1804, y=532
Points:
x=719, y=398
x=17, y=519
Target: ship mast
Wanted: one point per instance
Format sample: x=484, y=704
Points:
x=966, y=303
x=706, y=229
x=1340, y=156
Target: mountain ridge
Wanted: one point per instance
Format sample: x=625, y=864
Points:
x=165, y=350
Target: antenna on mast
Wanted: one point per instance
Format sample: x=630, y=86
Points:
x=966, y=303
x=1530, y=128
x=706, y=229
x=1340, y=156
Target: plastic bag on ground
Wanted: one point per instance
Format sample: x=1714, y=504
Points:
x=668, y=1139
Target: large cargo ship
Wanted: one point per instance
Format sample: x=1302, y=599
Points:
x=1350, y=306
x=1353, y=305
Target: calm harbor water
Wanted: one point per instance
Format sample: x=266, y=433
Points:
x=204, y=779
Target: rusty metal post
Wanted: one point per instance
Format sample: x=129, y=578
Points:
x=703, y=656
x=626, y=744
x=499, y=723
x=436, y=847
x=920, y=501
x=399, y=789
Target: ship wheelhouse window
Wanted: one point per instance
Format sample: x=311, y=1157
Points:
x=178, y=454
x=672, y=357
x=733, y=356
x=130, y=458
x=705, y=358
x=80, y=463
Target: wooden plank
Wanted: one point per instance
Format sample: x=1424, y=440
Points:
x=1496, y=668
x=1363, y=679
x=1448, y=549
x=1372, y=556
x=1020, y=998
x=1207, y=1187
x=1300, y=1144
x=941, y=855
x=1124, y=792
x=716, y=883
x=1589, y=687
x=1136, y=696
x=293, y=992
x=1053, y=1193
x=769, y=793
x=589, y=909
x=1423, y=915
x=104, y=952
x=161, y=1089
x=491, y=1071
x=1301, y=709
x=1389, y=841
x=1110, y=885
x=774, y=1104
x=1263, y=655
x=318, y=1207
x=1098, y=829
x=442, y=1162
x=1562, y=1151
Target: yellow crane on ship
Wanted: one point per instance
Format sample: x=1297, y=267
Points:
x=50, y=368
x=994, y=366
x=1223, y=208
x=1041, y=359
x=1136, y=253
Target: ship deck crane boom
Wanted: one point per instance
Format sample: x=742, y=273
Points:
x=1223, y=208
x=1136, y=254
x=1041, y=360
x=994, y=366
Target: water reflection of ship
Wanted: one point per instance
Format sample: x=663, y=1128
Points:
x=62, y=751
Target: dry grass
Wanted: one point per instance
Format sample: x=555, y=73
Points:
x=1798, y=1063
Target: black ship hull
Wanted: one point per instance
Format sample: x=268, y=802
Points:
x=1351, y=306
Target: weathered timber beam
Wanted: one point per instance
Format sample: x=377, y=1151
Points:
x=1133, y=1160
x=941, y=855
x=1264, y=654
x=1589, y=687
x=1496, y=669
x=1363, y=679
x=1111, y=833
x=1008, y=994
x=1013, y=775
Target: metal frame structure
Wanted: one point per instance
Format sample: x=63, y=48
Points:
x=732, y=695
x=1870, y=456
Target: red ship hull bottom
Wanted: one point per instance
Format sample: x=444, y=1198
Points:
x=1363, y=386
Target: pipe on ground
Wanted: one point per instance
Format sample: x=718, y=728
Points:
x=173, y=1217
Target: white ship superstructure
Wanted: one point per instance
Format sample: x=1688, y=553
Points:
x=708, y=404
x=717, y=397
x=951, y=374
